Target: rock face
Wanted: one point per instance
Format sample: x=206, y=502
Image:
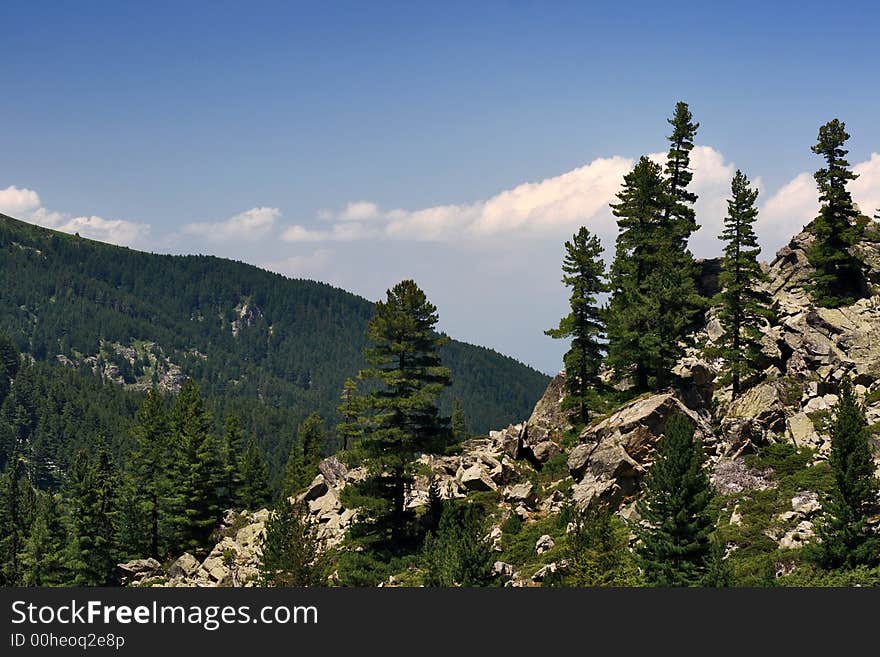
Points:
x=615, y=453
x=808, y=350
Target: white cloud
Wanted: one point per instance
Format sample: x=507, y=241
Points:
x=552, y=207
x=786, y=212
x=866, y=188
x=360, y=211
x=18, y=202
x=307, y=265
x=25, y=204
x=796, y=203
x=249, y=225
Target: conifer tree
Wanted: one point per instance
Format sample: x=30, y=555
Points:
x=230, y=459
x=15, y=518
x=305, y=455
x=458, y=422
x=291, y=551
x=675, y=547
x=744, y=305
x=150, y=465
x=651, y=307
x=407, y=378
x=584, y=272
x=598, y=549
x=350, y=429
x=678, y=213
x=457, y=554
x=253, y=493
x=847, y=538
x=196, y=469
x=44, y=550
x=838, y=279
x=91, y=496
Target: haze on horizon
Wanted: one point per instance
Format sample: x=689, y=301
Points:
x=456, y=145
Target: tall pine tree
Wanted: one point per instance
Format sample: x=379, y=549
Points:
x=254, y=492
x=675, y=547
x=91, y=495
x=16, y=494
x=196, y=470
x=150, y=464
x=584, y=272
x=305, y=455
x=407, y=377
x=230, y=460
x=44, y=550
x=838, y=279
x=847, y=537
x=645, y=321
x=744, y=304
x=350, y=429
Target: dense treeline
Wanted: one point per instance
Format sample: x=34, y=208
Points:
x=241, y=332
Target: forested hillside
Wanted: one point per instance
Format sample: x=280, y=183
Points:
x=245, y=334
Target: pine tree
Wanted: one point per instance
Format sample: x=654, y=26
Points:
x=91, y=497
x=350, y=429
x=230, y=460
x=44, y=550
x=744, y=305
x=584, y=272
x=598, y=549
x=458, y=422
x=150, y=465
x=675, y=546
x=838, y=279
x=407, y=378
x=847, y=538
x=253, y=493
x=652, y=304
x=15, y=518
x=458, y=554
x=291, y=550
x=196, y=506
x=678, y=212
x=305, y=455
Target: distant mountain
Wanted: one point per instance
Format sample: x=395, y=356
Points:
x=139, y=319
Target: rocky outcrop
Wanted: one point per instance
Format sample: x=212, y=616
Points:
x=615, y=453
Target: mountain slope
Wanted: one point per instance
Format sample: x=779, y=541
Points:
x=140, y=319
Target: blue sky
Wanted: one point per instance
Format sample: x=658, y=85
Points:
x=361, y=143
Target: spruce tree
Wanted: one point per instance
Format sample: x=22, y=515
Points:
x=598, y=549
x=230, y=460
x=651, y=307
x=744, y=305
x=305, y=455
x=584, y=272
x=847, y=537
x=838, y=279
x=291, y=550
x=43, y=556
x=91, y=499
x=458, y=554
x=196, y=468
x=678, y=212
x=458, y=422
x=253, y=492
x=150, y=467
x=350, y=429
x=406, y=379
x=675, y=547
x=15, y=518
